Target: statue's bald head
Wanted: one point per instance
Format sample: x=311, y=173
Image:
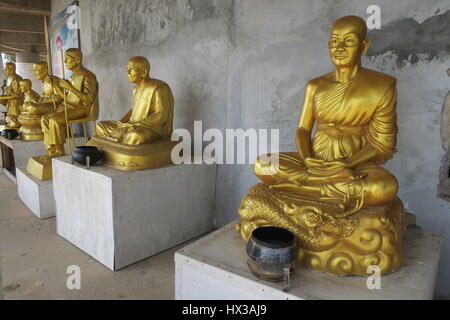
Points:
x=140, y=63
x=11, y=65
x=10, y=69
x=353, y=24
x=40, y=70
x=75, y=53
x=41, y=65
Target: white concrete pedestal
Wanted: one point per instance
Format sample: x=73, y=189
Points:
x=215, y=267
x=37, y=195
x=121, y=217
x=23, y=150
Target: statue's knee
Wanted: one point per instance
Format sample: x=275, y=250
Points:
x=381, y=190
x=265, y=170
x=258, y=166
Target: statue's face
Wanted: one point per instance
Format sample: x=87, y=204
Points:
x=40, y=71
x=10, y=70
x=135, y=73
x=24, y=87
x=346, y=46
x=71, y=62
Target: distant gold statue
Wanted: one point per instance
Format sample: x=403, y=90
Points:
x=13, y=98
x=49, y=100
x=34, y=109
x=29, y=95
x=332, y=193
x=30, y=129
x=141, y=139
x=81, y=100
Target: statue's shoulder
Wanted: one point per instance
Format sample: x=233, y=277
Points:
x=87, y=73
x=155, y=83
x=376, y=79
x=315, y=83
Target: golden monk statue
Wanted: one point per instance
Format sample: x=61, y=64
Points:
x=29, y=95
x=141, y=139
x=332, y=193
x=81, y=100
x=13, y=98
x=49, y=100
x=33, y=110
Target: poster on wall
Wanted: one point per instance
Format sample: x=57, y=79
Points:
x=64, y=34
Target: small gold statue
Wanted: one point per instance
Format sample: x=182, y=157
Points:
x=13, y=97
x=30, y=129
x=332, y=193
x=33, y=110
x=29, y=95
x=81, y=101
x=141, y=139
x=49, y=99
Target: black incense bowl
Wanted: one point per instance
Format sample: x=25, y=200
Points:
x=81, y=153
x=10, y=134
x=271, y=250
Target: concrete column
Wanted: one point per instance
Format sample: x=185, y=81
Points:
x=24, y=67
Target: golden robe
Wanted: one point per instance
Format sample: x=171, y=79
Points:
x=150, y=117
x=347, y=119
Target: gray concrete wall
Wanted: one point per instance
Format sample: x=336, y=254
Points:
x=244, y=64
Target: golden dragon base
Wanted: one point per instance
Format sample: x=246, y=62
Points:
x=331, y=238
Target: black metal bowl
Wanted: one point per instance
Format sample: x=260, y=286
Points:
x=270, y=251
x=10, y=134
x=81, y=153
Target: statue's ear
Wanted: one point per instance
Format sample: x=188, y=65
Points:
x=366, y=45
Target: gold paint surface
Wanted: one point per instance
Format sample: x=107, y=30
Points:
x=141, y=139
x=332, y=193
x=40, y=167
x=82, y=101
x=13, y=97
x=125, y=157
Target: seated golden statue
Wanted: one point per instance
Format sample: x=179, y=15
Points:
x=30, y=128
x=332, y=193
x=141, y=139
x=33, y=109
x=29, y=95
x=13, y=98
x=49, y=100
x=81, y=99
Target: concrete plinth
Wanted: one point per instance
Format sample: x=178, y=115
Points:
x=214, y=267
x=37, y=195
x=121, y=217
x=23, y=150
